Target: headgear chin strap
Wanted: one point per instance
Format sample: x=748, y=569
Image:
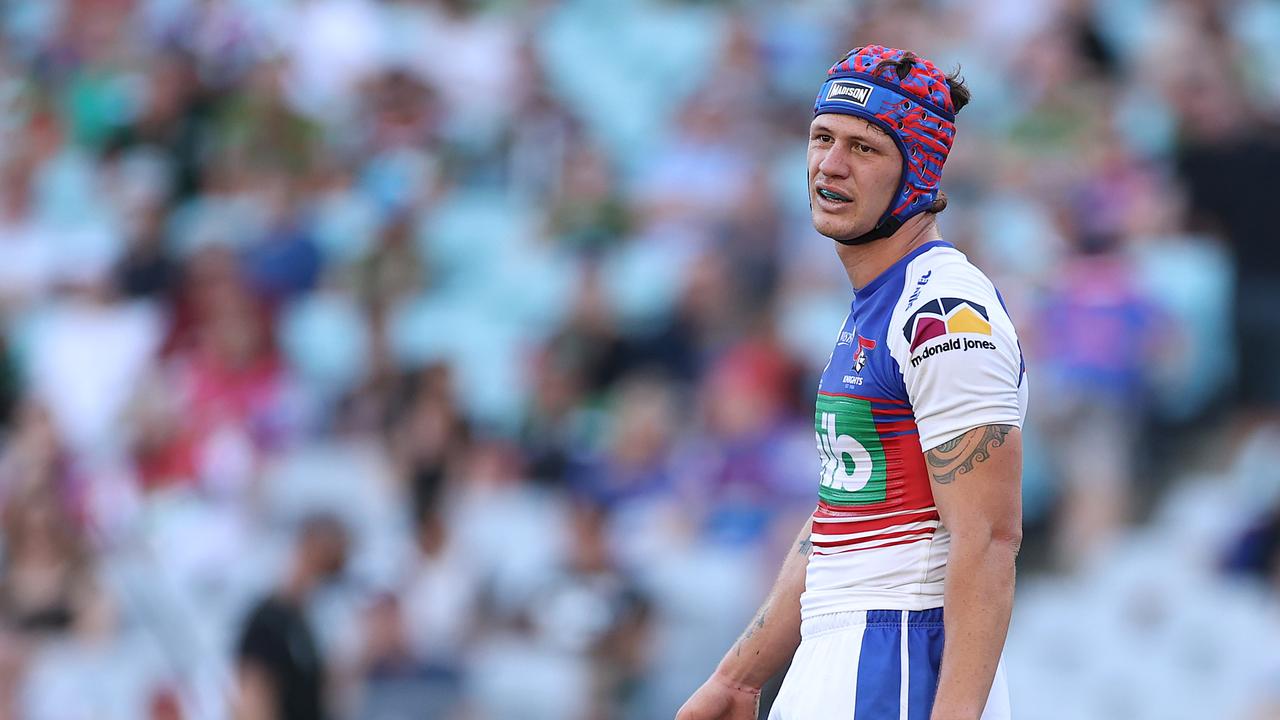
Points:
x=916, y=111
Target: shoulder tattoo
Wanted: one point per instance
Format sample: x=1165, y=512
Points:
x=958, y=456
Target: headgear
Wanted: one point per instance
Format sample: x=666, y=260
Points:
x=915, y=110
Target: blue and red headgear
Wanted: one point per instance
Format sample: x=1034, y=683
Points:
x=916, y=111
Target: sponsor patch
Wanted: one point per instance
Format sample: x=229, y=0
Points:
x=955, y=343
x=853, y=456
x=849, y=91
x=945, y=316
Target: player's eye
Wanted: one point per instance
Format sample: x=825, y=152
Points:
x=863, y=148
x=823, y=138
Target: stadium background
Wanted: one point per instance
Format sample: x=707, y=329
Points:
x=524, y=295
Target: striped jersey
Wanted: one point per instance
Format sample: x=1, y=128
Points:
x=926, y=354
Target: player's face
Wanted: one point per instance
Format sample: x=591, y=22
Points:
x=854, y=169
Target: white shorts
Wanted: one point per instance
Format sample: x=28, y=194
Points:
x=871, y=665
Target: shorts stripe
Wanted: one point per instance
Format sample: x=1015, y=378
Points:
x=904, y=702
x=872, y=665
x=924, y=653
x=879, y=693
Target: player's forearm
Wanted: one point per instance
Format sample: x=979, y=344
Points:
x=771, y=639
x=978, y=602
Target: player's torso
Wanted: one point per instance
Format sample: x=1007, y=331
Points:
x=865, y=428
x=877, y=540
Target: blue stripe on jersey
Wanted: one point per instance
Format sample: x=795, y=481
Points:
x=886, y=436
x=879, y=693
x=924, y=660
x=1022, y=359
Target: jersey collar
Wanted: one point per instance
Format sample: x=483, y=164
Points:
x=896, y=269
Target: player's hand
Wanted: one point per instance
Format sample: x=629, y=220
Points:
x=719, y=699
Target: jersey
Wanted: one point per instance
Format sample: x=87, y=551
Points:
x=926, y=354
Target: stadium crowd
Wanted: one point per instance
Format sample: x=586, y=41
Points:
x=455, y=359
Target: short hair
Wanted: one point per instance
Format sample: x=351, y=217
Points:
x=960, y=94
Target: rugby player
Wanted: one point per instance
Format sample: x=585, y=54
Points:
x=918, y=419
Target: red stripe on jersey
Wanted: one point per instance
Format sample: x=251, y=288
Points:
x=892, y=411
x=873, y=538
x=908, y=541
x=854, y=526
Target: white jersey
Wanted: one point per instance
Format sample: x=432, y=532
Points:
x=926, y=354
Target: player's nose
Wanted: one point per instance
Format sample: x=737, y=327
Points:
x=834, y=163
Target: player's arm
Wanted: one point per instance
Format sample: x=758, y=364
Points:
x=733, y=690
x=977, y=489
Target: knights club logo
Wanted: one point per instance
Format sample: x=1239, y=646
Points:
x=860, y=359
x=945, y=316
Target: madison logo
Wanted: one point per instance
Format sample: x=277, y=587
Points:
x=945, y=316
x=850, y=92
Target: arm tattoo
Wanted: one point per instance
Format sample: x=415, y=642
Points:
x=758, y=624
x=958, y=456
x=802, y=548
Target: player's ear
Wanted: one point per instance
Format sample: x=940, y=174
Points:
x=939, y=204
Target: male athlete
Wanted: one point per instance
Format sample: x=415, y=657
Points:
x=917, y=421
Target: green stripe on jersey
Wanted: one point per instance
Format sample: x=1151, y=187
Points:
x=853, y=465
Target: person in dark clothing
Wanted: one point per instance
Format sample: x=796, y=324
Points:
x=281, y=668
x=1227, y=161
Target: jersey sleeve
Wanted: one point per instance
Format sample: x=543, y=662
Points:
x=959, y=356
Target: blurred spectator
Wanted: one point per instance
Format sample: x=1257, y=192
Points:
x=48, y=586
x=281, y=671
x=1227, y=162
x=227, y=373
x=588, y=214
x=398, y=685
x=635, y=463
x=10, y=384
x=173, y=118
x=430, y=438
x=146, y=271
x=441, y=595
x=1257, y=551
x=466, y=50
x=86, y=356
x=1098, y=340
x=26, y=252
x=750, y=464
x=575, y=644
x=555, y=427
x=531, y=290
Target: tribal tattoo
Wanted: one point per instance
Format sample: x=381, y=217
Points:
x=958, y=456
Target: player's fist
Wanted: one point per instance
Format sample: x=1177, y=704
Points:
x=719, y=699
